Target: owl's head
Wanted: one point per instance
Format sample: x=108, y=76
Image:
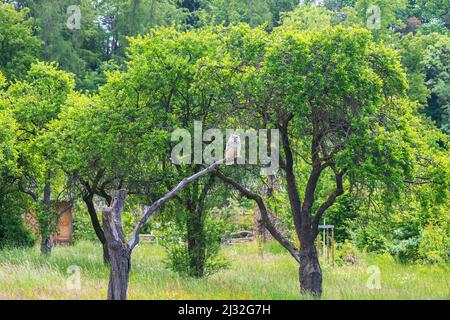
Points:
x=234, y=138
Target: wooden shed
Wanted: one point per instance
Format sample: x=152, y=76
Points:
x=63, y=234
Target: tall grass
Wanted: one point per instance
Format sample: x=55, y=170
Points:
x=255, y=273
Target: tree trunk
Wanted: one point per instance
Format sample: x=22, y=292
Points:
x=120, y=261
x=46, y=245
x=310, y=271
x=46, y=241
x=106, y=257
x=196, y=243
x=88, y=200
x=119, y=251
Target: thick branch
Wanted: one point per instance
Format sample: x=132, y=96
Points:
x=112, y=220
x=264, y=215
x=31, y=193
x=294, y=197
x=88, y=197
x=149, y=210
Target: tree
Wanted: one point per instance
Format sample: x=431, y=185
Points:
x=13, y=204
x=104, y=149
x=337, y=99
x=107, y=142
x=124, y=18
x=249, y=11
x=179, y=74
x=382, y=17
x=78, y=49
x=424, y=58
x=34, y=103
x=18, y=46
x=120, y=249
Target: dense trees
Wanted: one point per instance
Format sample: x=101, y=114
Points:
x=35, y=102
x=18, y=46
x=334, y=96
x=424, y=57
x=362, y=112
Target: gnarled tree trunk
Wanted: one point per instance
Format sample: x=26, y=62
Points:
x=120, y=261
x=119, y=251
x=310, y=271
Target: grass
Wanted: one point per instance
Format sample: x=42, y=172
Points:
x=253, y=274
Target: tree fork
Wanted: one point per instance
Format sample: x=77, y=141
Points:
x=119, y=251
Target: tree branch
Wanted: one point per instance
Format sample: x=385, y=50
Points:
x=294, y=197
x=264, y=215
x=149, y=210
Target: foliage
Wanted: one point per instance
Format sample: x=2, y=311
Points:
x=34, y=102
x=425, y=58
x=82, y=228
x=143, y=68
x=13, y=231
x=434, y=244
x=236, y=216
x=19, y=47
x=266, y=12
x=174, y=239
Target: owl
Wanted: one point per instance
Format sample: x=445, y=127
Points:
x=233, y=149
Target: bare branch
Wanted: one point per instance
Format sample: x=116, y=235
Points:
x=149, y=210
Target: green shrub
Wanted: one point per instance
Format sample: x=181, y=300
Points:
x=346, y=253
x=13, y=231
x=173, y=238
x=82, y=225
x=434, y=245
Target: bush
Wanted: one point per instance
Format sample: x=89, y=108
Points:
x=173, y=239
x=346, y=253
x=434, y=245
x=13, y=231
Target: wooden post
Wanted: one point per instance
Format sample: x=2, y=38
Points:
x=332, y=246
x=328, y=245
x=318, y=245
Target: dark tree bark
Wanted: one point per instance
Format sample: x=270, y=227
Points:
x=309, y=271
x=264, y=214
x=46, y=245
x=88, y=200
x=46, y=240
x=119, y=251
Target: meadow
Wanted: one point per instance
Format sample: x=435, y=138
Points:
x=254, y=273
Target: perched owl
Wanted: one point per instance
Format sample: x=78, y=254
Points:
x=233, y=149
